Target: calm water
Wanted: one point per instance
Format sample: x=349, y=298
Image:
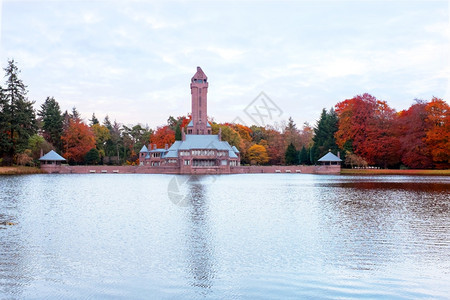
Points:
x=224, y=237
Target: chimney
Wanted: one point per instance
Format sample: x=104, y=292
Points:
x=183, y=134
x=166, y=146
x=154, y=146
x=42, y=152
x=220, y=134
x=339, y=154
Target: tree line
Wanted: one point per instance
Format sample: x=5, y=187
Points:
x=364, y=130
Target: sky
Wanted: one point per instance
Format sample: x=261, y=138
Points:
x=133, y=60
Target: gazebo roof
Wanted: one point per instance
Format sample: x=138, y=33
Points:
x=52, y=155
x=330, y=157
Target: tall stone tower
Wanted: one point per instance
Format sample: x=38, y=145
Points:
x=199, y=89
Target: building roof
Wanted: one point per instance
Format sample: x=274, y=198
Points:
x=144, y=149
x=52, y=155
x=235, y=149
x=200, y=141
x=199, y=74
x=204, y=141
x=329, y=157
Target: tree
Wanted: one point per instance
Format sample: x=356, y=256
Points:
x=324, y=133
x=368, y=125
x=18, y=115
x=102, y=135
x=411, y=130
x=92, y=157
x=163, y=135
x=36, y=143
x=291, y=155
x=258, y=154
x=94, y=120
x=78, y=139
x=438, y=135
x=303, y=156
x=52, y=122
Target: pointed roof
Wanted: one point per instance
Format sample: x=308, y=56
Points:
x=200, y=74
x=144, y=149
x=329, y=157
x=52, y=155
x=235, y=149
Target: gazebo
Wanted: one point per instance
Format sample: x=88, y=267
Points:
x=52, y=158
x=330, y=159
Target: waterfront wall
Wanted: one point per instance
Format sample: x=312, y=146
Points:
x=65, y=169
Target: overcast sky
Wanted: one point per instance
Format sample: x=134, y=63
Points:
x=133, y=60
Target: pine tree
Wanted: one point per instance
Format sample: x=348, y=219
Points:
x=52, y=119
x=93, y=120
x=324, y=132
x=177, y=133
x=18, y=114
x=303, y=157
x=291, y=155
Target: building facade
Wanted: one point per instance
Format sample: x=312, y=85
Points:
x=199, y=151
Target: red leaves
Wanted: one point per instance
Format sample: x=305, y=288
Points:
x=78, y=139
x=163, y=135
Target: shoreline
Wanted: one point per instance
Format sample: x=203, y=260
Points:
x=395, y=172
x=20, y=170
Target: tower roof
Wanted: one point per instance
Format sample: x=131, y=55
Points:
x=200, y=74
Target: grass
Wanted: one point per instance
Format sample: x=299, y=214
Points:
x=394, y=172
x=19, y=170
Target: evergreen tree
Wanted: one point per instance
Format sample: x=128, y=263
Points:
x=324, y=131
x=93, y=120
x=5, y=142
x=177, y=133
x=92, y=157
x=17, y=113
x=303, y=157
x=291, y=155
x=52, y=120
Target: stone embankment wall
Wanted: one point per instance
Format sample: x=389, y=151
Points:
x=65, y=169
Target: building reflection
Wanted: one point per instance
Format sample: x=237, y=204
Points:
x=200, y=256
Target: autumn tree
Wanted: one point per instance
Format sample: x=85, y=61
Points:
x=411, y=130
x=368, y=125
x=438, y=134
x=162, y=136
x=52, y=122
x=78, y=139
x=257, y=154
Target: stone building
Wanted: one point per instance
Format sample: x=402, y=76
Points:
x=199, y=151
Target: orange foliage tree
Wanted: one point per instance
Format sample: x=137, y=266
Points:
x=77, y=139
x=367, y=124
x=258, y=154
x=438, y=135
x=411, y=130
x=162, y=136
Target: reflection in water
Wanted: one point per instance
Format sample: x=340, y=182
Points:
x=199, y=248
x=271, y=236
x=377, y=222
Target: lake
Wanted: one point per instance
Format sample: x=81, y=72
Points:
x=248, y=236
